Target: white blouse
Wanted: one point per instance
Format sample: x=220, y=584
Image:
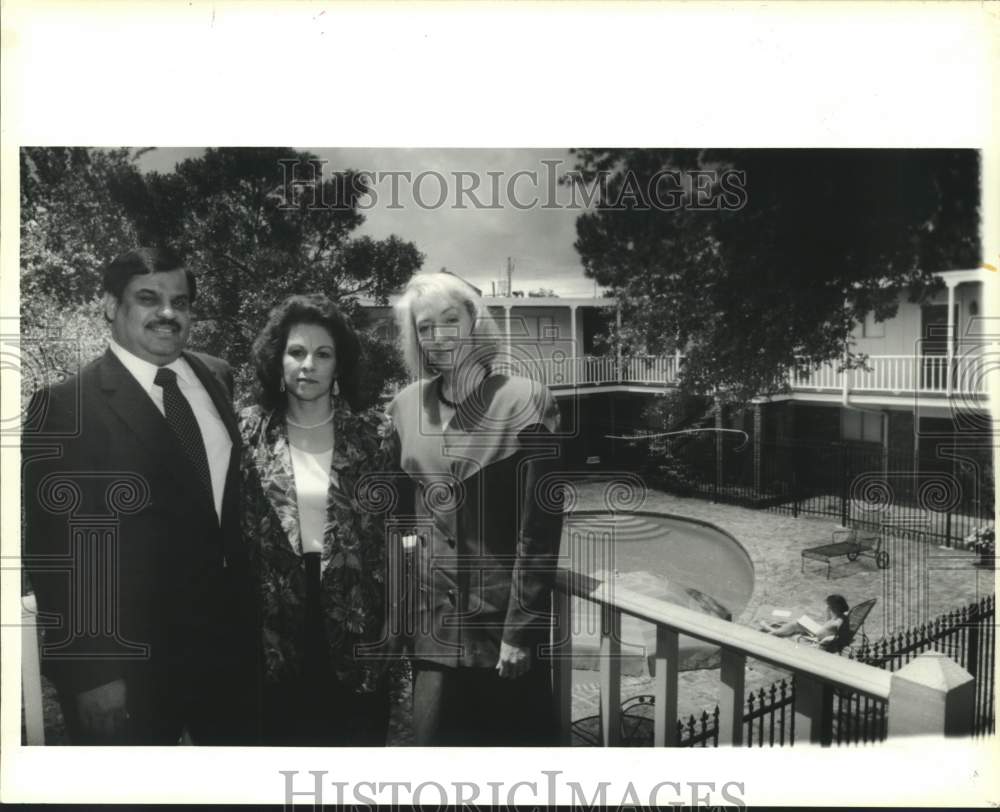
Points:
x=312, y=484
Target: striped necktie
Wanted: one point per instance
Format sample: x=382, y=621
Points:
x=181, y=419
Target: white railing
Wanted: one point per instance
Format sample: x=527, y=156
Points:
x=888, y=374
x=816, y=672
x=651, y=369
x=900, y=374
x=602, y=369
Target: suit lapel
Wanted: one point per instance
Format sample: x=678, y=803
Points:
x=216, y=390
x=222, y=401
x=134, y=406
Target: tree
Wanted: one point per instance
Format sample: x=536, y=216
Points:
x=769, y=256
x=71, y=220
x=252, y=239
x=256, y=239
x=71, y=224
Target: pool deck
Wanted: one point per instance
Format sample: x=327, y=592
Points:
x=909, y=592
x=926, y=583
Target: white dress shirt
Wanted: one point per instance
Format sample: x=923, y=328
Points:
x=213, y=431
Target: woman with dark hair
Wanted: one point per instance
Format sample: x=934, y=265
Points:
x=829, y=635
x=317, y=546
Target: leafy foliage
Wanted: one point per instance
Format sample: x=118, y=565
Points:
x=820, y=239
x=56, y=340
x=71, y=222
x=251, y=237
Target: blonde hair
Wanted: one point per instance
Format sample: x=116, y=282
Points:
x=446, y=287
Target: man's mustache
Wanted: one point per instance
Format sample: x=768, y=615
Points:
x=165, y=323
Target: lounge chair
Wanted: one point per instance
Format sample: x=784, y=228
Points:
x=851, y=542
x=854, y=542
x=853, y=625
x=636, y=728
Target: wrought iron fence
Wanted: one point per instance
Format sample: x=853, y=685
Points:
x=853, y=484
x=967, y=635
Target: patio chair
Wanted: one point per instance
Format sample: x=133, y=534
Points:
x=852, y=627
x=856, y=618
x=636, y=728
x=851, y=542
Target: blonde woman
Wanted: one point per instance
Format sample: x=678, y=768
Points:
x=473, y=445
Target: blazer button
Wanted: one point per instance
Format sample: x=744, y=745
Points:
x=452, y=597
x=450, y=541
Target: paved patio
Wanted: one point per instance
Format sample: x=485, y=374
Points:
x=922, y=582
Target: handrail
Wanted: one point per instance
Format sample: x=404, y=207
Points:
x=883, y=373
x=815, y=663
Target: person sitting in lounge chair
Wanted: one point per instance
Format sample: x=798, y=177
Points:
x=829, y=635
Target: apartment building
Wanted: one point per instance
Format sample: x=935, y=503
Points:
x=917, y=408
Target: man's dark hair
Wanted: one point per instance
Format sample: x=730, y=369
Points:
x=269, y=347
x=142, y=261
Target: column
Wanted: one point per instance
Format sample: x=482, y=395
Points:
x=930, y=696
x=949, y=364
x=618, y=343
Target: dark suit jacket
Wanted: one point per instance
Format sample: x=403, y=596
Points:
x=481, y=495
x=128, y=559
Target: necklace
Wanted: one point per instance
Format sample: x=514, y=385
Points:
x=443, y=399
x=291, y=422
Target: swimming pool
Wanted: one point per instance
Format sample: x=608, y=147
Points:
x=688, y=553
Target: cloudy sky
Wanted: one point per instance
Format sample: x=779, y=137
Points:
x=465, y=209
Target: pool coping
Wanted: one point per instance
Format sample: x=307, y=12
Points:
x=751, y=551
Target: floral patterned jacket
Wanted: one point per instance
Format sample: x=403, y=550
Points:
x=353, y=579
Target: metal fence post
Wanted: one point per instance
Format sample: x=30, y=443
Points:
x=972, y=648
x=719, y=424
x=844, y=485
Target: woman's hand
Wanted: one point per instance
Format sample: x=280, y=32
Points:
x=514, y=661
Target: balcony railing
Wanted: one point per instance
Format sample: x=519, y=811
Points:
x=928, y=696
x=886, y=374
x=900, y=374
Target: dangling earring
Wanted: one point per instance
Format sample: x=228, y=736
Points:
x=336, y=387
x=281, y=386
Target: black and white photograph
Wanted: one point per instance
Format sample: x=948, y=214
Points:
x=515, y=462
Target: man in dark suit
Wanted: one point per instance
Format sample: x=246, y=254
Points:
x=132, y=529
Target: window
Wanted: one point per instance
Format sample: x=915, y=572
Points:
x=872, y=328
x=865, y=427
x=548, y=330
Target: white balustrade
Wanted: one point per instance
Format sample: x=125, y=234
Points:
x=887, y=374
x=816, y=673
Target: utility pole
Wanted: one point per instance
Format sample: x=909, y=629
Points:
x=510, y=276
